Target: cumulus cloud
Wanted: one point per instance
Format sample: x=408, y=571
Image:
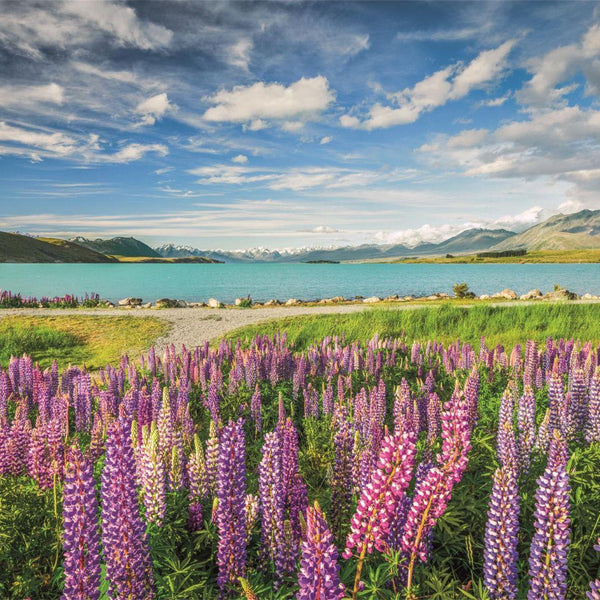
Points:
x=438, y=233
x=321, y=229
x=451, y=83
x=559, y=65
x=241, y=159
x=262, y=102
x=326, y=140
x=152, y=109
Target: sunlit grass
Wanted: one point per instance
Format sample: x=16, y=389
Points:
x=507, y=325
x=77, y=339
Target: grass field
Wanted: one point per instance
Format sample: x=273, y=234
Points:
x=77, y=339
x=538, y=256
x=507, y=325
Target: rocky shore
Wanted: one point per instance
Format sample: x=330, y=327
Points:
x=247, y=302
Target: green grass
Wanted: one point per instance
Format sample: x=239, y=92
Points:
x=591, y=255
x=93, y=341
x=507, y=325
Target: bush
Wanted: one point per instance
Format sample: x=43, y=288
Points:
x=461, y=290
x=246, y=302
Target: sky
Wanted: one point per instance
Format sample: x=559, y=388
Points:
x=296, y=124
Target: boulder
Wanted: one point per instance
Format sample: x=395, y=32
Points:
x=166, y=303
x=338, y=299
x=506, y=293
x=560, y=294
x=130, y=302
x=292, y=302
x=213, y=303
x=372, y=300
x=272, y=302
x=147, y=305
x=531, y=295
x=589, y=296
x=392, y=298
x=408, y=298
x=484, y=297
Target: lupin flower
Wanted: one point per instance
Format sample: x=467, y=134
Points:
x=128, y=565
x=272, y=499
x=319, y=570
x=256, y=409
x=548, y=552
x=195, y=517
x=153, y=480
x=526, y=426
x=81, y=538
x=379, y=500
x=500, y=551
x=342, y=480
x=231, y=509
x=592, y=431
x=212, y=456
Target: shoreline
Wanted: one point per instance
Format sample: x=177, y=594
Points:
x=194, y=327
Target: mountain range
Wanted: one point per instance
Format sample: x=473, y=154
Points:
x=579, y=230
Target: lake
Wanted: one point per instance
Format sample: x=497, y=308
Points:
x=226, y=282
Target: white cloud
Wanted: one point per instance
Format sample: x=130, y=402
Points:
x=321, y=229
x=240, y=159
x=238, y=54
x=292, y=126
x=438, y=233
x=326, y=140
x=152, y=109
x=451, y=83
x=496, y=101
x=42, y=143
x=31, y=96
x=121, y=22
x=262, y=102
x=559, y=65
x=133, y=152
x=31, y=29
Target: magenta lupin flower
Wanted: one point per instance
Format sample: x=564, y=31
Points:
x=548, y=552
x=318, y=577
x=128, y=565
x=231, y=509
x=81, y=537
x=500, y=554
x=379, y=500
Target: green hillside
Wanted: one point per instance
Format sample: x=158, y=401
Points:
x=16, y=248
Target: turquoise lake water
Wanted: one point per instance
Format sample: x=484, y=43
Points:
x=198, y=282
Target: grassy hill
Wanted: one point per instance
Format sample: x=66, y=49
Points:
x=576, y=231
x=16, y=248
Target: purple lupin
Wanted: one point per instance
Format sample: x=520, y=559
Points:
x=500, y=551
x=319, y=570
x=231, y=509
x=81, y=538
x=548, y=553
x=128, y=564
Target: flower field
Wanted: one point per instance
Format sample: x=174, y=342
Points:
x=383, y=469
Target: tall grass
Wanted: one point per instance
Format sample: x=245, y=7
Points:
x=507, y=325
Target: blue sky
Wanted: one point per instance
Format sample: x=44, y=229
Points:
x=288, y=124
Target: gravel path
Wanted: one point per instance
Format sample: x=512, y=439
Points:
x=194, y=326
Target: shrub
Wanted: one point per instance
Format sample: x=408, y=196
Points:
x=461, y=290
